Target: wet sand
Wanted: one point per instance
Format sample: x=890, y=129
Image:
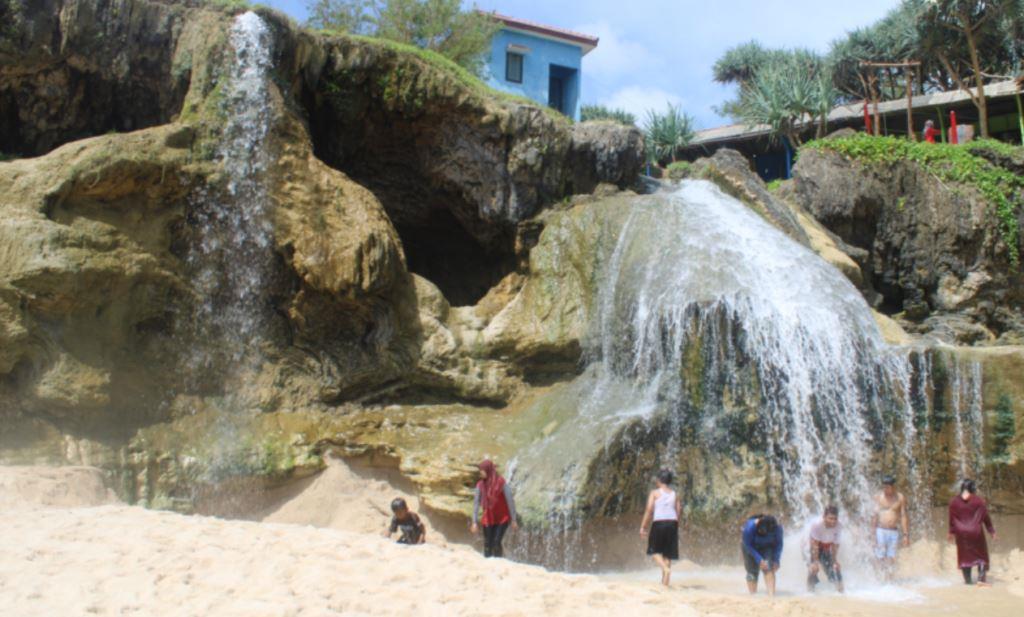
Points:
x=121, y=560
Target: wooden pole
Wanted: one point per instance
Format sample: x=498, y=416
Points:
x=910, y=105
x=908, y=78
x=1020, y=116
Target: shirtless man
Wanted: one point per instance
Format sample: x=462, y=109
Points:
x=890, y=515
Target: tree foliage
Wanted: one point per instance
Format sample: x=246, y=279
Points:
x=665, y=134
x=438, y=25
x=600, y=112
x=784, y=89
x=960, y=44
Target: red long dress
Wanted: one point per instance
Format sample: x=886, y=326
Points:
x=966, y=518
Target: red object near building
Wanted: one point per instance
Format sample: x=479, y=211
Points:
x=930, y=133
x=867, y=119
x=952, y=128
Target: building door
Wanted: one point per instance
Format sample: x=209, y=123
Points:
x=556, y=93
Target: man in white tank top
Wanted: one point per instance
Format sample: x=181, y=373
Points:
x=662, y=518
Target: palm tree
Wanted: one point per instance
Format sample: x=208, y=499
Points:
x=788, y=93
x=667, y=133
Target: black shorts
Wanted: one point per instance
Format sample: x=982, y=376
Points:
x=664, y=539
x=828, y=566
x=752, y=565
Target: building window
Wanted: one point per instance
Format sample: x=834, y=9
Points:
x=514, y=67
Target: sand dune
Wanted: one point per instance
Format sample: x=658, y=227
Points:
x=120, y=560
x=341, y=498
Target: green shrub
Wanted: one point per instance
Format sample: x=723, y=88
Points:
x=1004, y=428
x=679, y=170
x=600, y=112
x=773, y=185
x=949, y=163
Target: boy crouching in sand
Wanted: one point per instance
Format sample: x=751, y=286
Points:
x=407, y=522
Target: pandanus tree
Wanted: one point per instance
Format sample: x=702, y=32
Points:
x=788, y=91
x=666, y=134
x=972, y=40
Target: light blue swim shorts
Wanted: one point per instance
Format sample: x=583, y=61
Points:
x=886, y=543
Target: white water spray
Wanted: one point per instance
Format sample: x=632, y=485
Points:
x=232, y=257
x=701, y=303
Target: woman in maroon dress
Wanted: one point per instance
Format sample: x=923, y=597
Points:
x=967, y=514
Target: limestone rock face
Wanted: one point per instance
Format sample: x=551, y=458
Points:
x=605, y=152
x=398, y=122
x=75, y=69
x=386, y=165
x=931, y=253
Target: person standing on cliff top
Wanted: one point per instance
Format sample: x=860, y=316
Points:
x=968, y=513
x=662, y=517
x=824, y=537
x=889, y=517
x=499, y=509
x=762, y=551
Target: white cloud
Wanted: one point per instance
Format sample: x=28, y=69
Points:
x=614, y=56
x=638, y=99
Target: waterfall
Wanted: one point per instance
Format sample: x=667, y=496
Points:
x=965, y=407
x=231, y=257
x=699, y=268
x=713, y=332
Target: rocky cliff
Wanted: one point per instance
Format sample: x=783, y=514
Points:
x=933, y=231
x=393, y=189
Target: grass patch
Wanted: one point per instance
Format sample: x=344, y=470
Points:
x=949, y=163
x=230, y=7
x=679, y=170
x=773, y=185
x=461, y=75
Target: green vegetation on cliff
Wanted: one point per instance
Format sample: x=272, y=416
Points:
x=1004, y=428
x=463, y=76
x=965, y=165
x=600, y=112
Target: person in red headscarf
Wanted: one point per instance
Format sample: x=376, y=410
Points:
x=494, y=497
x=968, y=519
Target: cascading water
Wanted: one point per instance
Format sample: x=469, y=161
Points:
x=965, y=406
x=231, y=257
x=715, y=331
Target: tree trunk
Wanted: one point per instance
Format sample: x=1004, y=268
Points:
x=979, y=79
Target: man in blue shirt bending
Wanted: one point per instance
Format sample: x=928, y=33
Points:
x=762, y=550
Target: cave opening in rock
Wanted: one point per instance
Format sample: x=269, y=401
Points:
x=440, y=250
x=407, y=163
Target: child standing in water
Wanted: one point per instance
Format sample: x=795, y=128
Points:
x=663, y=508
x=495, y=497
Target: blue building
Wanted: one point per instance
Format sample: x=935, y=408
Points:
x=539, y=62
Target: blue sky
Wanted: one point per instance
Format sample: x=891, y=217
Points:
x=661, y=51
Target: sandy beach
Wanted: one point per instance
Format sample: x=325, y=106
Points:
x=66, y=549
